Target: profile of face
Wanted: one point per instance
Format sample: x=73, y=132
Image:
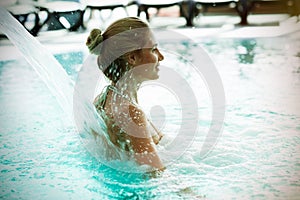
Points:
x=146, y=61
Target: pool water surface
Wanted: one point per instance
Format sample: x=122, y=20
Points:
x=256, y=156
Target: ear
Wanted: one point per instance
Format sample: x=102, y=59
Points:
x=132, y=58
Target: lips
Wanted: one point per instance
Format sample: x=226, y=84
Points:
x=157, y=67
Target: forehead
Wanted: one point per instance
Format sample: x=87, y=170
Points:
x=150, y=40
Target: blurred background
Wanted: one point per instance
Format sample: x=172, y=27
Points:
x=39, y=16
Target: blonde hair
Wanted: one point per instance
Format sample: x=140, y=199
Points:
x=120, y=38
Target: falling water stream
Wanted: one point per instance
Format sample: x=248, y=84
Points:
x=62, y=88
x=60, y=85
x=43, y=62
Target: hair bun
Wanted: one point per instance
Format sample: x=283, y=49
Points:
x=94, y=40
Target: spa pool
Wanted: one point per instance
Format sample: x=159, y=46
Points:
x=256, y=157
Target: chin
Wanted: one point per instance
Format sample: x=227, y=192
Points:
x=156, y=76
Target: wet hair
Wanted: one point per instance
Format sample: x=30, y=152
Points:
x=122, y=37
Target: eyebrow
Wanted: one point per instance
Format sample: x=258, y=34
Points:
x=154, y=46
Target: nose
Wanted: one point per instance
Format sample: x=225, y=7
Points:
x=160, y=56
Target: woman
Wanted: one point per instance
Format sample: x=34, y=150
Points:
x=128, y=56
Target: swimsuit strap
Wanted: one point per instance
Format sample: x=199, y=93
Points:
x=115, y=90
x=103, y=95
x=102, y=100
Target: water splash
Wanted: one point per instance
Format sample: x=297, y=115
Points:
x=43, y=62
x=58, y=82
x=62, y=87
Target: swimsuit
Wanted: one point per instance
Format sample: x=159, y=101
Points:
x=121, y=138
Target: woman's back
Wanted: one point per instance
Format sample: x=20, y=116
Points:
x=104, y=105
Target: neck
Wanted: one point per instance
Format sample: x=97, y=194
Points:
x=128, y=88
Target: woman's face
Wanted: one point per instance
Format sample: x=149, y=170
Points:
x=147, y=60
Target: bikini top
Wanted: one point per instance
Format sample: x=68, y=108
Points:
x=122, y=138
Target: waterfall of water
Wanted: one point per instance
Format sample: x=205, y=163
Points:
x=62, y=87
x=43, y=62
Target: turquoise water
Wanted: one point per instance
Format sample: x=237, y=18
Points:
x=256, y=157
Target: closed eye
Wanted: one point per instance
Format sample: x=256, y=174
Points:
x=154, y=48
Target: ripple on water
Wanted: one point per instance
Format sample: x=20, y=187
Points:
x=257, y=154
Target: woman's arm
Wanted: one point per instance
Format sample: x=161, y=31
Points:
x=142, y=141
x=157, y=135
x=145, y=152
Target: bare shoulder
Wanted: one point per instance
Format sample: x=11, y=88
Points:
x=136, y=114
